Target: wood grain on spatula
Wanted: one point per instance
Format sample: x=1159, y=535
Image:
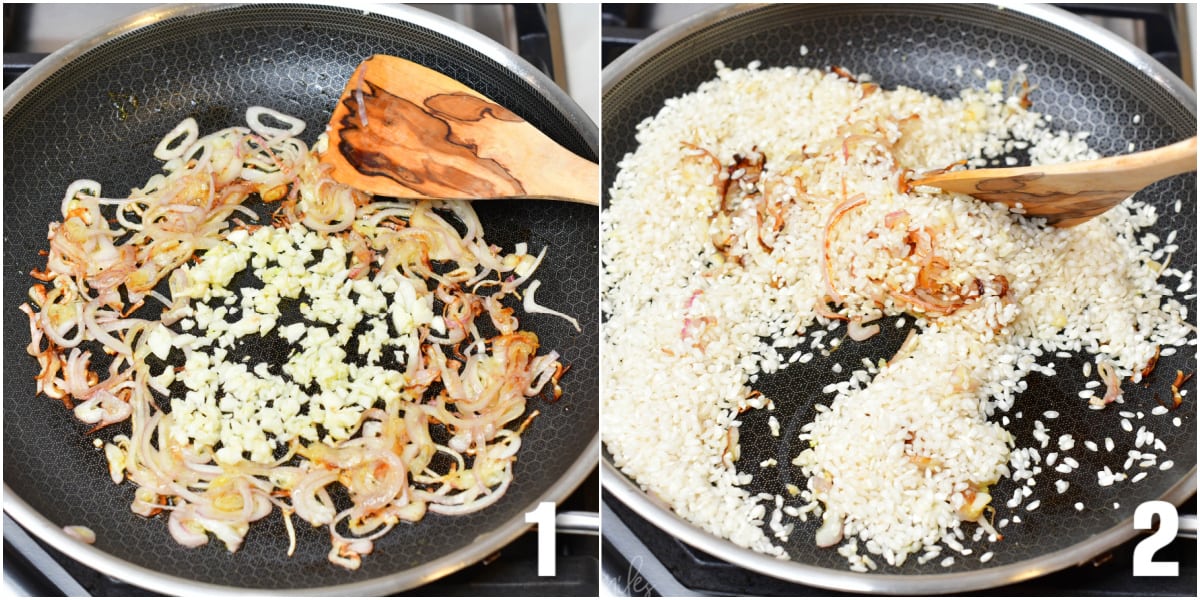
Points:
x=405, y=131
x=1071, y=193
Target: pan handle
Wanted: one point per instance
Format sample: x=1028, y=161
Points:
x=39, y=560
x=1187, y=526
x=580, y=522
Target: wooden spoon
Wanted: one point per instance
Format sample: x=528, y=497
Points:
x=405, y=131
x=1069, y=194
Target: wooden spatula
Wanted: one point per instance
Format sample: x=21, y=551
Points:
x=405, y=131
x=1071, y=193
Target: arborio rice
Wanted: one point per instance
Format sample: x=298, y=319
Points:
x=771, y=201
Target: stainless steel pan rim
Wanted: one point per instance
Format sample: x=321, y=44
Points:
x=655, y=511
x=483, y=546
x=140, y=576
x=629, y=61
x=659, y=513
x=479, y=42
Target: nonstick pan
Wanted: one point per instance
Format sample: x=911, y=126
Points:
x=97, y=108
x=1087, y=80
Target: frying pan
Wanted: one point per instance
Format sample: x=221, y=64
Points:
x=64, y=120
x=1087, y=80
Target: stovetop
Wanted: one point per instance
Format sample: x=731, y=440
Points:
x=640, y=559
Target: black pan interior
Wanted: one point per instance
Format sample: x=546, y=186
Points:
x=1084, y=88
x=84, y=122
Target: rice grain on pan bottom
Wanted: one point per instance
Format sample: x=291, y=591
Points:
x=767, y=218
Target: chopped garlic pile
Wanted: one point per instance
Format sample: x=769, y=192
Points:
x=250, y=411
